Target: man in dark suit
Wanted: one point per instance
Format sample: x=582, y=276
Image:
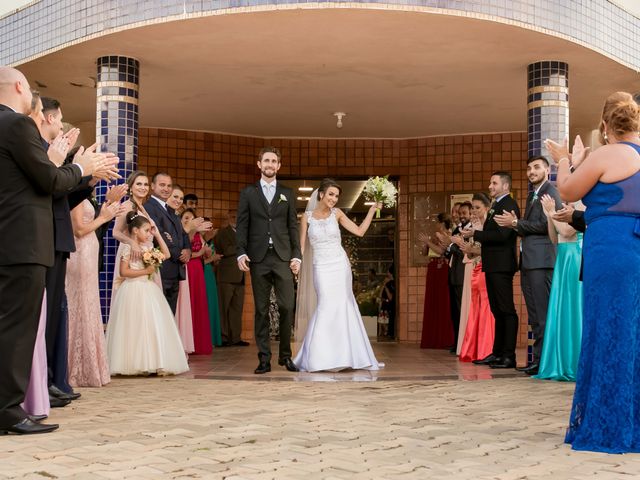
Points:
x=456, y=271
x=168, y=223
x=500, y=263
x=269, y=247
x=64, y=244
x=27, y=180
x=230, y=283
x=538, y=253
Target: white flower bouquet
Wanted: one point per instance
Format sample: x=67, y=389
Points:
x=380, y=190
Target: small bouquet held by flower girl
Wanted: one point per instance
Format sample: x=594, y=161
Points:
x=380, y=190
x=153, y=258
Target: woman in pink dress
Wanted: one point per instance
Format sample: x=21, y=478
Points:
x=197, y=288
x=183, y=308
x=36, y=399
x=480, y=331
x=87, y=355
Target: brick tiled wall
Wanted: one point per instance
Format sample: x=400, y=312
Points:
x=216, y=167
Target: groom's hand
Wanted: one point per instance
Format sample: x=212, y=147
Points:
x=294, y=265
x=243, y=263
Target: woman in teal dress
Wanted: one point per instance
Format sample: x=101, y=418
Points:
x=606, y=404
x=563, y=332
x=212, y=289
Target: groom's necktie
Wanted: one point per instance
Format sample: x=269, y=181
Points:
x=269, y=192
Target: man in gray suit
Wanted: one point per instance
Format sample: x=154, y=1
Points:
x=538, y=253
x=230, y=283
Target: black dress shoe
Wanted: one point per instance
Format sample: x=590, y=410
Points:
x=56, y=402
x=263, y=367
x=37, y=418
x=531, y=369
x=486, y=360
x=504, y=363
x=288, y=364
x=56, y=392
x=241, y=343
x=26, y=427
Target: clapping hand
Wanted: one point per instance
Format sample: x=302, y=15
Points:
x=467, y=248
x=204, y=225
x=565, y=214
x=467, y=232
x=58, y=149
x=548, y=204
x=579, y=152
x=506, y=219
x=458, y=240
x=101, y=165
x=556, y=150
x=115, y=193
x=109, y=210
x=423, y=237
x=72, y=137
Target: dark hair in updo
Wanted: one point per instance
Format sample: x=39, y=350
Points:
x=482, y=197
x=621, y=114
x=135, y=220
x=327, y=183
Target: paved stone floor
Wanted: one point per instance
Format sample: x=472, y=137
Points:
x=422, y=421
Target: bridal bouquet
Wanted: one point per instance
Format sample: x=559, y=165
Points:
x=380, y=190
x=153, y=257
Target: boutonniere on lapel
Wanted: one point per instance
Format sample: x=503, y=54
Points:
x=491, y=212
x=282, y=198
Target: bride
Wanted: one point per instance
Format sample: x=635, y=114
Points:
x=335, y=337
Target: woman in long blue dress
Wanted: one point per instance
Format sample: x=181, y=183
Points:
x=563, y=331
x=606, y=406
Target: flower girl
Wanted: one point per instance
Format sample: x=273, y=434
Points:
x=142, y=337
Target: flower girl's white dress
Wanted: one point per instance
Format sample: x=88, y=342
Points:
x=335, y=338
x=142, y=336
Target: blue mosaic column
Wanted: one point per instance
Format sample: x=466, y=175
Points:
x=547, y=105
x=116, y=131
x=548, y=117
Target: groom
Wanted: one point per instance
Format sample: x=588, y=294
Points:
x=269, y=247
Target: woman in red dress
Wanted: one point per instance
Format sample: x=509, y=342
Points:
x=197, y=288
x=436, y=321
x=478, y=337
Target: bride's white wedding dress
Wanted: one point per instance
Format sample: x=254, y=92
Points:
x=335, y=338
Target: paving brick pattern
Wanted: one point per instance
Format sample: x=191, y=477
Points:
x=181, y=428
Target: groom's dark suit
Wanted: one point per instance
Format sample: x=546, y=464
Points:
x=500, y=263
x=170, y=227
x=259, y=221
x=27, y=180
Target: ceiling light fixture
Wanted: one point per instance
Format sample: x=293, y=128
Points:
x=340, y=116
x=304, y=187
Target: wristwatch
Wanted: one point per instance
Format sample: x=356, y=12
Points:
x=514, y=223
